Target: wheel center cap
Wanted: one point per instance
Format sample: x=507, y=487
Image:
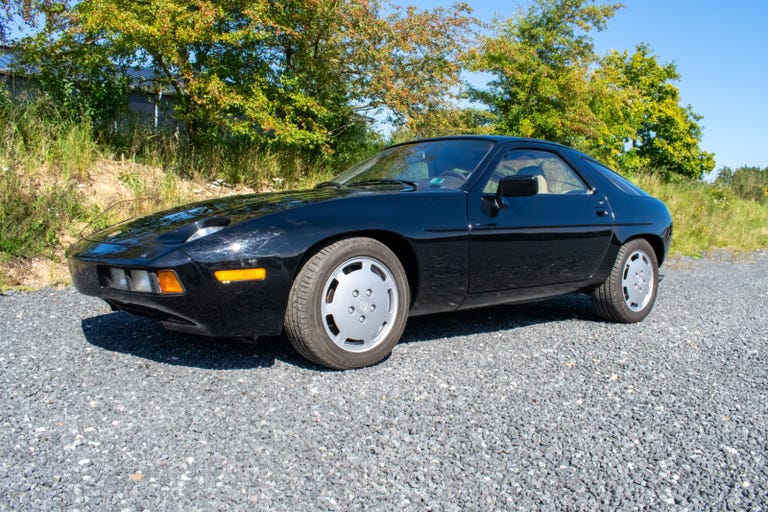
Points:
x=362, y=306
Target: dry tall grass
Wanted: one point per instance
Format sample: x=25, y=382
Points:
x=708, y=217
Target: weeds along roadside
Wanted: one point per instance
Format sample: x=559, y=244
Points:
x=42, y=157
x=49, y=162
x=708, y=216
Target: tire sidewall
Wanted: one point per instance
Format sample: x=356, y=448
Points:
x=630, y=248
x=344, y=251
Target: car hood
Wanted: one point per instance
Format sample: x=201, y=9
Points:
x=172, y=227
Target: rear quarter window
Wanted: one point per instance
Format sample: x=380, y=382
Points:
x=619, y=181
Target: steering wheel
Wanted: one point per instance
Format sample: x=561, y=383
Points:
x=454, y=173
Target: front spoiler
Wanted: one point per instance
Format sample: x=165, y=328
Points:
x=207, y=307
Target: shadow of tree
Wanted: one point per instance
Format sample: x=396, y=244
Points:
x=128, y=334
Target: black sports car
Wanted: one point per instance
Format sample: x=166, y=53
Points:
x=424, y=227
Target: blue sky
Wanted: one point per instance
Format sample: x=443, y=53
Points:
x=721, y=52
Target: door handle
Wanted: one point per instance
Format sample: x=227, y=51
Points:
x=602, y=209
x=601, y=212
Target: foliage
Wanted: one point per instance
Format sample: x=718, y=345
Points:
x=708, y=216
x=36, y=135
x=444, y=120
x=540, y=61
x=296, y=72
x=32, y=215
x=26, y=17
x=549, y=83
x=746, y=182
x=649, y=127
x=305, y=75
x=35, y=206
x=80, y=76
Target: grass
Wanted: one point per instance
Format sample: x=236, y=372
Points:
x=32, y=214
x=709, y=217
x=235, y=161
x=42, y=155
x=48, y=158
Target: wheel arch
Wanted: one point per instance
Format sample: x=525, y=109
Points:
x=395, y=242
x=658, y=247
x=656, y=242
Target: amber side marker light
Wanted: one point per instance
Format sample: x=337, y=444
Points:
x=169, y=282
x=241, y=274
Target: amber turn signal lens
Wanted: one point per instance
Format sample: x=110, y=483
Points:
x=169, y=282
x=241, y=274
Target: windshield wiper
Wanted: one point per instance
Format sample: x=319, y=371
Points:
x=328, y=184
x=384, y=181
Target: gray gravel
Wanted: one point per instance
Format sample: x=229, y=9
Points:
x=539, y=406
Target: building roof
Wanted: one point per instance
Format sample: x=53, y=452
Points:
x=142, y=79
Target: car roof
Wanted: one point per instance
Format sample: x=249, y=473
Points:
x=493, y=138
x=501, y=139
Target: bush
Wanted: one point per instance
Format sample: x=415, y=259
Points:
x=746, y=182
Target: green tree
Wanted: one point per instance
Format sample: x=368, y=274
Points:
x=652, y=130
x=19, y=18
x=294, y=72
x=540, y=62
x=303, y=73
x=549, y=83
x=747, y=182
x=80, y=77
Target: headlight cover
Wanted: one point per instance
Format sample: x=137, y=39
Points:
x=208, y=227
x=200, y=233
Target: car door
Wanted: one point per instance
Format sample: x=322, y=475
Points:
x=558, y=235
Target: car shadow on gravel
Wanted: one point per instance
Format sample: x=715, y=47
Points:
x=497, y=318
x=147, y=339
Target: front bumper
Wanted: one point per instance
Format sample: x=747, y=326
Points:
x=207, y=306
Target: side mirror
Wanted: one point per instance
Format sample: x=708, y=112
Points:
x=517, y=186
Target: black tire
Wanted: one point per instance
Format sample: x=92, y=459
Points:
x=628, y=295
x=354, y=286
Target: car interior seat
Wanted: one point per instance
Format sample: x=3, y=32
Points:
x=535, y=170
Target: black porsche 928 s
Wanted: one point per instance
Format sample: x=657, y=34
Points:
x=423, y=227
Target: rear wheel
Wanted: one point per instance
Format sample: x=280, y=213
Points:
x=348, y=305
x=629, y=293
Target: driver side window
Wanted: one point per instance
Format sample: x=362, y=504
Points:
x=552, y=173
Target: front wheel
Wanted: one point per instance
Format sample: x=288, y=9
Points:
x=348, y=305
x=628, y=295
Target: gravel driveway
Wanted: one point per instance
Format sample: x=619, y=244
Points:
x=539, y=406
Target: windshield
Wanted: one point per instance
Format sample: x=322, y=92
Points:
x=437, y=164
